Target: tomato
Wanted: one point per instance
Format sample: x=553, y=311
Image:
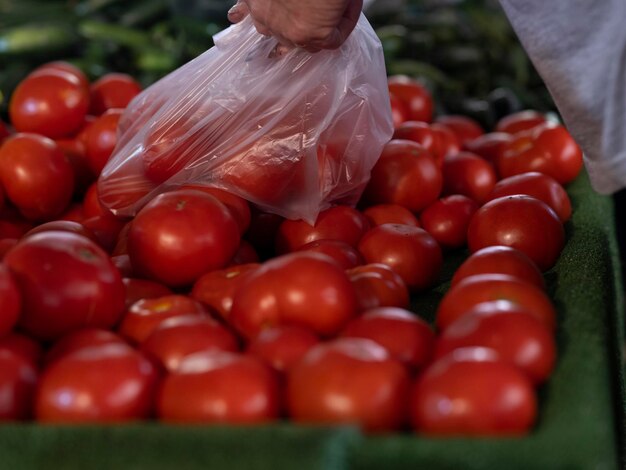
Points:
x=465, y=128
x=238, y=206
x=399, y=111
x=419, y=132
x=282, y=346
x=345, y=255
x=215, y=289
x=67, y=282
x=101, y=138
x=446, y=142
x=75, y=151
x=472, y=392
x=245, y=254
x=447, y=220
x=219, y=387
x=80, y=339
x=107, y=383
x=145, y=315
x=405, y=174
x=390, y=214
x=349, y=380
x=52, y=103
x=410, y=251
x=522, y=222
x=403, y=334
x=113, y=90
x=500, y=260
x=489, y=146
x=537, y=185
x=286, y=291
x=18, y=378
x=480, y=288
x=520, y=121
x=36, y=176
x=547, y=148
x=468, y=174
x=23, y=346
x=138, y=289
x=342, y=223
x=5, y=245
x=10, y=299
x=180, y=235
x=106, y=229
x=415, y=97
x=63, y=226
x=512, y=331
x=13, y=229
x=178, y=337
x=377, y=285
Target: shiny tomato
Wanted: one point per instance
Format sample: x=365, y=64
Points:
x=219, y=387
x=101, y=138
x=107, y=383
x=18, y=379
x=520, y=121
x=419, y=132
x=405, y=174
x=63, y=226
x=390, y=214
x=349, y=380
x=537, y=185
x=52, y=103
x=489, y=146
x=471, y=392
x=180, y=235
x=415, y=97
x=402, y=333
x=465, y=128
x=238, y=206
x=80, y=339
x=282, y=346
x=468, y=174
x=138, y=289
x=446, y=142
x=480, y=288
x=286, y=291
x=145, y=315
x=399, y=111
x=447, y=220
x=66, y=67
x=410, y=251
x=345, y=255
x=113, y=90
x=499, y=259
x=36, y=176
x=522, y=222
x=377, y=285
x=337, y=223
x=509, y=329
x=10, y=299
x=67, y=282
x=23, y=346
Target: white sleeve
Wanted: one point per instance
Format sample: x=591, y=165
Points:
x=579, y=49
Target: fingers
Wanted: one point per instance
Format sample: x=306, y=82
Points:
x=238, y=12
x=346, y=25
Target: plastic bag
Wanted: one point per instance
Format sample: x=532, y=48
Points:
x=293, y=134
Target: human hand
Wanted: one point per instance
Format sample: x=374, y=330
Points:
x=309, y=24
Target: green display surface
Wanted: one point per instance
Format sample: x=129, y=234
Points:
x=581, y=407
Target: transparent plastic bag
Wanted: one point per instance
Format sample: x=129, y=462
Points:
x=293, y=134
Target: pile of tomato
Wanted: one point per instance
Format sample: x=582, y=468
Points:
x=205, y=309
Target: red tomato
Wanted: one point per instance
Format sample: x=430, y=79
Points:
x=512, y=331
x=480, y=288
x=403, y=334
x=145, y=315
x=489, y=146
x=63, y=226
x=215, y=289
x=465, y=128
x=138, y=289
x=399, y=112
x=180, y=235
x=107, y=383
x=410, y=251
x=52, y=103
x=520, y=121
x=219, y=387
x=74, y=150
x=74, y=213
x=238, y=206
x=66, y=67
x=472, y=392
x=178, y=337
x=349, y=380
x=101, y=138
x=390, y=214
x=5, y=245
x=113, y=90
x=345, y=255
x=10, y=299
x=405, y=174
x=245, y=254
x=23, y=346
x=67, y=282
x=36, y=176
x=522, y=222
x=537, y=185
x=500, y=260
x=282, y=346
x=18, y=378
x=419, y=132
x=446, y=142
x=414, y=96
x=337, y=223
x=468, y=174
x=377, y=285
x=286, y=291
x=80, y=339
x=448, y=218
x=106, y=229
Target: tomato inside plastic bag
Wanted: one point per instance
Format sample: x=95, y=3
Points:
x=293, y=134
